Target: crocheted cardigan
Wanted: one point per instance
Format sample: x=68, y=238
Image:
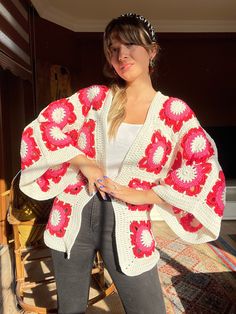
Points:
x=172, y=154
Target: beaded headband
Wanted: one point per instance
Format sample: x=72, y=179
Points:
x=147, y=25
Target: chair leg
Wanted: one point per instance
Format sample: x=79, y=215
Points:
x=105, y=288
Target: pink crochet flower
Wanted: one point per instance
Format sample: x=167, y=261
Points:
x=86, y=138
x=156, y=154
x=29, y=150
x=92, y=96
x=187, y=220
x=60, y=112
x=177, y=210
x=196, y=146
x=53, y=136
x=142, y=238
x=54, y=174
x=59, y=218
x=43, y=183
x=57, y=172
x=74, y=136
x=75, y=188
x=140, y=185
x=175, y=112
x=177, y=162
x=215, y=199
x=189, y=178
x=190, y=223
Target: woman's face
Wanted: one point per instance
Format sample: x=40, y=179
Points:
x=130, y=61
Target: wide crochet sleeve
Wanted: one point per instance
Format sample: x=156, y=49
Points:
x=194, y=185
x=60, y=132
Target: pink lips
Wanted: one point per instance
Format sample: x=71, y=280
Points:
x=125, y=66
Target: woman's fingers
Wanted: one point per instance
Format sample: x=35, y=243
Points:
x=107, y=185
x=104, y=185
x=92, y=188
x=103, y=195
x=94, y=175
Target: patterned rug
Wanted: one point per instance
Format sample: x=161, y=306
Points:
x=225, y=249
x=198, y=279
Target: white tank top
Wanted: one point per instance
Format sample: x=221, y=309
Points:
x=117, y=148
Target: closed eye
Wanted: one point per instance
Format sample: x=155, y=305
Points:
x=113, y=49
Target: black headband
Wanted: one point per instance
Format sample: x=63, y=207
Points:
x=147, y=25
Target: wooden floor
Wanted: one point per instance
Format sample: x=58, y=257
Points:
x=110, y=304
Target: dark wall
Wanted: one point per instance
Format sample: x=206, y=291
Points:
x=198, y=68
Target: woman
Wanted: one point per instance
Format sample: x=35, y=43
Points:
x=108, y=156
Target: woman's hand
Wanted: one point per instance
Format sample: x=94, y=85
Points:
x=127, y=194
x=91, y=171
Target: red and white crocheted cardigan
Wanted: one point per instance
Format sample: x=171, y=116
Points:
x=171, y=154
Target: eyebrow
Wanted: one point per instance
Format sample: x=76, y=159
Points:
x=111, y=44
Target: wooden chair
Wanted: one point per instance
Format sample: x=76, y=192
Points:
x=28, y=218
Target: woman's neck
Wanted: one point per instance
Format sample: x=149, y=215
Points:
x=139, y=99
x=140, y=90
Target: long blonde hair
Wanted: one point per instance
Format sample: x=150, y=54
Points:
x=117, y=111
x=131, y=29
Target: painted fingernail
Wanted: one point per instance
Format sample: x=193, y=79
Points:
x=105, y=177
x=101, y=186
x=99, y=180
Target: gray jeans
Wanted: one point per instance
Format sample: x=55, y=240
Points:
x=140, y=294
